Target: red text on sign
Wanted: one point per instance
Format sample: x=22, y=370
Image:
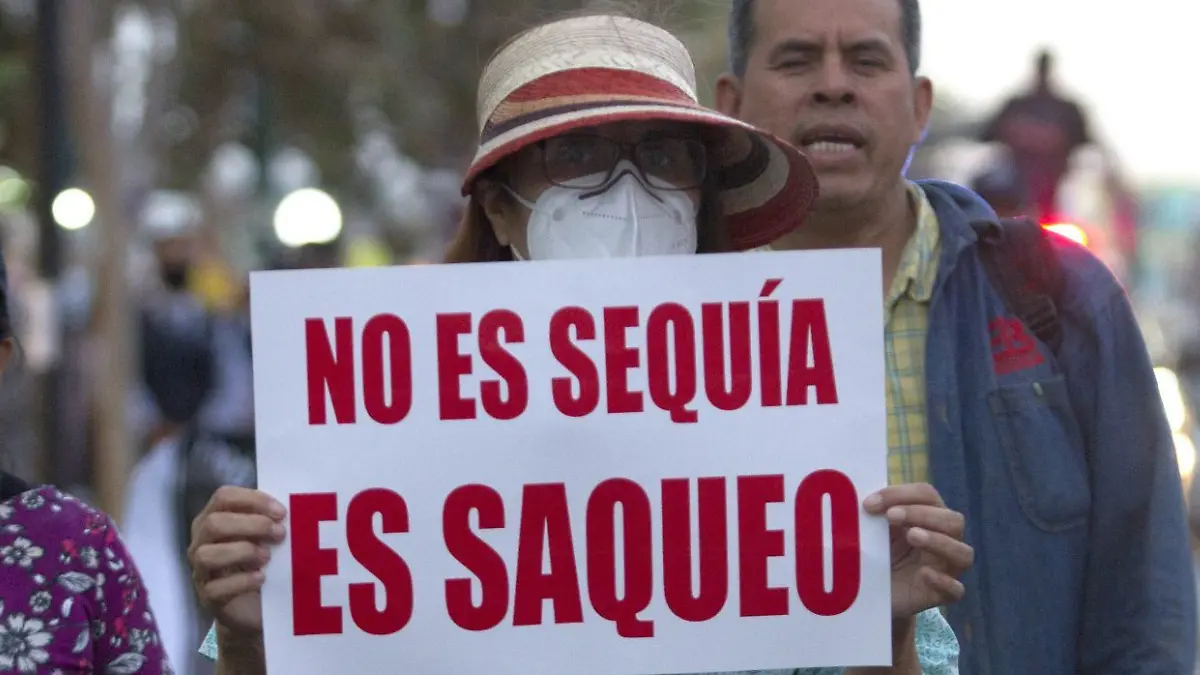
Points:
x=311, y=562
x=546, y=574
x=386, y=389
x=546, y=542
x=687, y=357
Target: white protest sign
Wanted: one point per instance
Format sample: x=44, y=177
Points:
x=608, y=467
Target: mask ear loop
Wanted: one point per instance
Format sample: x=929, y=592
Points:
x=523, y=202
x=520, y=200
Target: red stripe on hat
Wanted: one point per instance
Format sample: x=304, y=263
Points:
x=599, y=81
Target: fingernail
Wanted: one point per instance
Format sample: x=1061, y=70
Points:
x=277, y=510
x=278, y=531
x=919, y=535
x=897, y=514
x=873, y=502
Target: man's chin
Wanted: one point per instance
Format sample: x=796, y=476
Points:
x=835, y=198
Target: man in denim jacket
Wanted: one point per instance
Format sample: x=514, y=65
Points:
x=1062, y=462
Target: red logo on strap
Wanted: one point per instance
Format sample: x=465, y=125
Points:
x=1013, y=348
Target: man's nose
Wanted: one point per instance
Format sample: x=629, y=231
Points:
x=833, y=86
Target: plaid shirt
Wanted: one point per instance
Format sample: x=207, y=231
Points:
x=906, y=324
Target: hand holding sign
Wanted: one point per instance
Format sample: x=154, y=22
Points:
x=229, y=549
x=928, y=554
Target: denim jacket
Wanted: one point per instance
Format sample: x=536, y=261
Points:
x=1065, y=469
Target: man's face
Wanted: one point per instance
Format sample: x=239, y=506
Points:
x=832, y=77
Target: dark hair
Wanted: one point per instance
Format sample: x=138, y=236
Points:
x=742, y=25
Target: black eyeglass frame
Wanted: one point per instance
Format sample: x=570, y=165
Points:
x=628, y=151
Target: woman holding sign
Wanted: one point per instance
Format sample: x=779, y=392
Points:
x=593, y=145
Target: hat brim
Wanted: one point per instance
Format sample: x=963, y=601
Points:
x=767, y=185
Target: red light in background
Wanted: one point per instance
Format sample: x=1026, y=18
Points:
x=1069, y=231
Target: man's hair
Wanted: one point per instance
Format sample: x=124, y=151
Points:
x=742, y=25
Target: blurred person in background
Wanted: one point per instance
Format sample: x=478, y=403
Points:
x=63, y=605
x=1062, y=460
x=198, y=413
x=1000, y=185
x=176, y=329
x=568, y=169
x=180, y=473
x=1041, y=128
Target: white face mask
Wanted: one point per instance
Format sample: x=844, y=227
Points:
x=627, y=219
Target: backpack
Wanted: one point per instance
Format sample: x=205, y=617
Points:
x=1024, y=268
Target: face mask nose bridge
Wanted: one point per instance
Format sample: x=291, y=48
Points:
x=565, y=224
x=620, y=171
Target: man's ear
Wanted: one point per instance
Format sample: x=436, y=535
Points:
x=729, y=95
x=922, y=106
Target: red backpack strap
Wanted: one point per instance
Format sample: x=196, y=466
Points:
x=1024, y=268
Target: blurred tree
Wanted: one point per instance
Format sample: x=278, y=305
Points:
x=18, y=147
x=317, y=75
x=328, y=73
x=410, y=67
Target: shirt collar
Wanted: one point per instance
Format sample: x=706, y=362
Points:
x=917, y=272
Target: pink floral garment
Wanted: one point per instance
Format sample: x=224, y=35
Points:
x=71, y=599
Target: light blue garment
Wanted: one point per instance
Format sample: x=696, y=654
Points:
x=936, y=647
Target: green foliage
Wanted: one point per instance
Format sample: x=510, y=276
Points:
x=17, y=98
x=326, y=63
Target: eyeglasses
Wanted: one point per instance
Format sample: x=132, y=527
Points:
x=587, y=161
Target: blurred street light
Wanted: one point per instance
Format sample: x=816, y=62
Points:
x=73, y=209
x=14, y=190
x=307, y=216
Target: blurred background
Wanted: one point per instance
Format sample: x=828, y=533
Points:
x=153, y=152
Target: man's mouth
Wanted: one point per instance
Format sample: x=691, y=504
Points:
x=830, y=140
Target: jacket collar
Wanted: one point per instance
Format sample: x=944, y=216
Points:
x=956, y=208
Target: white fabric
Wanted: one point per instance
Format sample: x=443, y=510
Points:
x=626, y=219
x=149, y=528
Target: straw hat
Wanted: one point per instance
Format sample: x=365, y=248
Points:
x=595, y=70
